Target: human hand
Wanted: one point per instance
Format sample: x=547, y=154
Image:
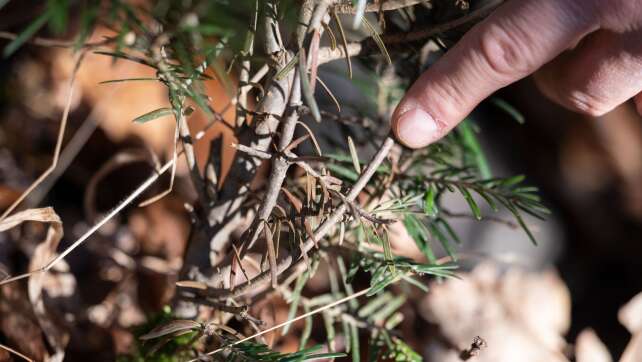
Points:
x=587, y=54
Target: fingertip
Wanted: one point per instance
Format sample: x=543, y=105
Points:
x=638, y=103
x=415, y=127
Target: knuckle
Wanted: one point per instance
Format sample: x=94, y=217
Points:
x=449, y=101
x=586, y=103
x=506, y=52
x=620, y=15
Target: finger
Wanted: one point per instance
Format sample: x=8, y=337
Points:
x=604, y=71
x=638, y=103
x=513, y=42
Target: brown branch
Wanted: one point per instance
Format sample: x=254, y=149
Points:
x=441, y=28
x=321, y=231
x=244, y=75
x=382, y=5
x=280, y=164
x=56, y=43
x=361, y=212
x=327, y=54
x=224, y=217
x=61, y=133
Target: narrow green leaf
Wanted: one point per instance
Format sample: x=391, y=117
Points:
x=416, y=230
x=26, y=34
x=294, y=302
x=354, y=343
x=307, y=329
x=377, y=38
x=430, y=207
x=508, y=108
x=469, y=139
x=346, y=334
x=354, y=155
x=344, y=280
x=342, y=171
x=58, y=19
x=441, y=237
x=325, y=356
x=382, y=284
x=449, y=230
x=474, y=208
x=487, y=198
x=388, y=309
x=158, y=113
x=287, y=68
x=330, y=332
x=414, y=282
x=374, y=304
x=3, y=3
x=512, y=181
x=306, y=89
x=394, y=321
x=127, y=80
x=88, y=16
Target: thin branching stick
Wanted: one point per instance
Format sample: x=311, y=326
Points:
x=144, y=186
x=244, y=75
x=328, y=54
x=280, y=164
x=381, y=5
x=71, y=150
x=61, y=134
x=322, y=230
x=181, y=130
x=56, y=43
x=172, y=176
x=223, y=217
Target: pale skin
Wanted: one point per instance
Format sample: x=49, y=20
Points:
x=584, y=54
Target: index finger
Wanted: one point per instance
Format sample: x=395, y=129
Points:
x=516, y=40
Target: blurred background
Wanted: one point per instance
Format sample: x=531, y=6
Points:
x=587, y=267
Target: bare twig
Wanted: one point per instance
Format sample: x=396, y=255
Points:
x=280, y=164
x=244, y=75
x=68, y=154
x=169, y=189
x=181, y=128
x=252, y=152
x=382, y=5
x=361, y=212
x=440, y=28
x=223, y=217
x=61, y=133
x=144, y=186
x=323, y=229
x=273, y=42
x=328, y=54
x=55, y=43
x=11, y=350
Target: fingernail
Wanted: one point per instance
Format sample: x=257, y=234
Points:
x=416, y=128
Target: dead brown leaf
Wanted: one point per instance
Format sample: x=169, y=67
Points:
x=43, y=254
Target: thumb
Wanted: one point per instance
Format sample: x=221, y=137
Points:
x=512, y=43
